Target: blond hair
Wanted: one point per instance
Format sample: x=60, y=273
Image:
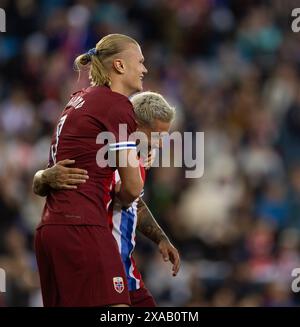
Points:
x=101, y=56
x=150, y=106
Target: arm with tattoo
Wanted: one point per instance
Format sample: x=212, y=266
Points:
x=39, y=185
x=147, y=224
x=58, y=177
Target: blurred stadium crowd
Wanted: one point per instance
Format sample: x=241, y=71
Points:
x=232, y=70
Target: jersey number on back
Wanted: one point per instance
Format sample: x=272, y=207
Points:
x=58, y=131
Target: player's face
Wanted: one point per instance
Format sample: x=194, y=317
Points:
x=155, y=133
x=134, y=69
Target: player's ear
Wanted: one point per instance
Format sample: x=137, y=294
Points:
x=119, y=66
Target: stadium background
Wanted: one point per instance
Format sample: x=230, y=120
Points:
x=232, y=70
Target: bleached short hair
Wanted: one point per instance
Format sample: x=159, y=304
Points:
x=150, y=106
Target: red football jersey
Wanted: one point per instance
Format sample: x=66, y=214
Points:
x=89, y=112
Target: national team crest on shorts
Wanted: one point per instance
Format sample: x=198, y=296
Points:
x=118, y=284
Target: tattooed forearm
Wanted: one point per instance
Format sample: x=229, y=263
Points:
x=39, y=186
x=147, y=224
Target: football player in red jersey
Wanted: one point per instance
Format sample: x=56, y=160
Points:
x=78, y=259
x=153, y=115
